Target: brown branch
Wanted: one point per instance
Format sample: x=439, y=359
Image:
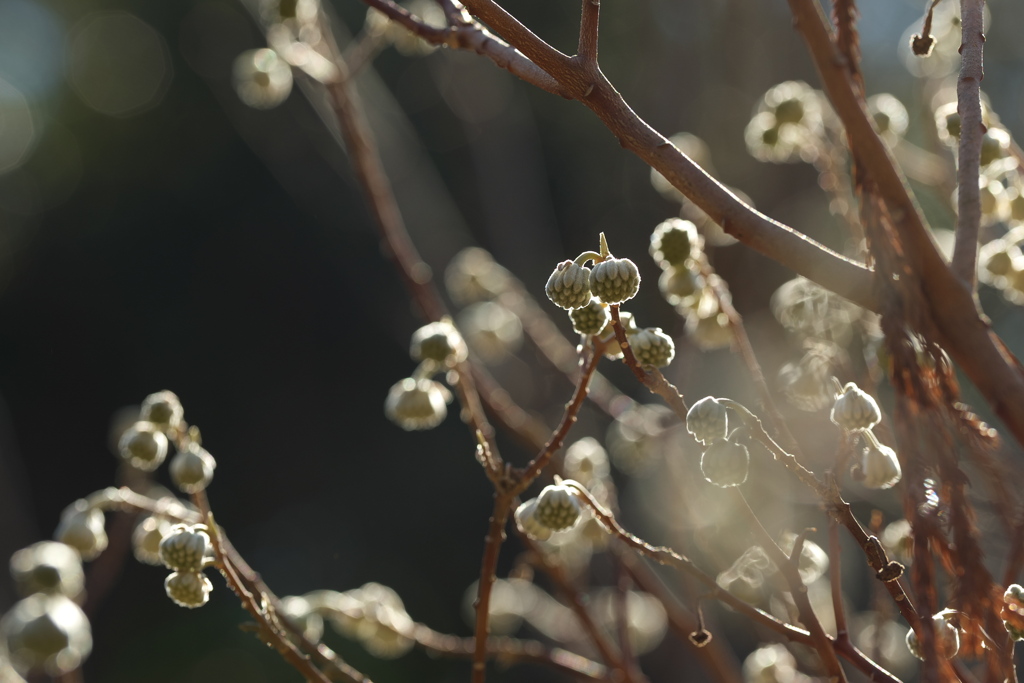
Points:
x=652, y=379
x=586, y=53
x=488, y=566
x=836, y=579
x=509, y=650
x=788, y=568
x=968, y=93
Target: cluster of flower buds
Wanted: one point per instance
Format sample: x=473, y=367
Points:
x=788, y=124
x=1012, y=611
x=725, y=461
x=947, y=635
x=419, y=402
x=46, y=631
x=856, y=412
x=186, y=551
x=678, y=249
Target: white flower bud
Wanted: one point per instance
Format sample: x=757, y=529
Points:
x=82, y=528
x=770, y=664
x=384, y=634
x=303, y=615
x=947, y=637
x=557, y=508
x=262, y=79
x=188, y=589
x=855, y=410
x=192, y=469
x=879, y=466
x=143, y=446
x=586, y=461
x=185, y=547
x=46, y=633
x=615, y=280
x=1012, y=612
x=679, y=284
x=417, y=404
x=651, y=346
x=474, y=276
x=725, y=463
x=439, y=342
x=527, y=521
x=707, y=420
x=568, y=286
x=674, y=241
x=48, y=567
x=147, y=537
x=162, y=409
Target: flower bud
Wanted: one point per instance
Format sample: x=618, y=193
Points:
x=557, y=508
x=674, y=241
x=147, y=537
x=185, y=548
x=679, y=283
x=188, y=589
x=586, y=461
x=569, y=286
x=82, y=528
x=302, y=614
x=192, y=469
x=527, y=521
x=46, y=633
x=162, y=409
x=1012, y=612
x=439, y=342
x=855, y=410
x=707, y=420
x=143, y=446
x=725, y=463
x=262, y=79
x=48, y=567
x=651, y=346
x=474, y=276
x=615, y=280
x=947, y=637
x=879, y=466
x=590, y=319
x=417, y=404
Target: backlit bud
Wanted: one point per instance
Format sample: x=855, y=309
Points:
x=725, y=463
x=707, y=420
x=188, y=589
x=569, y=286
x=615, y=280
x=143, y=446
x=855, y=410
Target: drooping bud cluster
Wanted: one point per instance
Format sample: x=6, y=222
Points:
x=555, y=509
x=82, y=527
x=725, y=463
x=878, y=468
x=855, y=410
x=439, y=342
x=372, y=614
x=568, y=286
x=417, y=404
x=186, y=549
x=46, y=633
x=192, y=469
x=707, y=420
x=615, y=280
x=143, y=446
x=572, y=284
x=262, y=78
x=651, y=346
x=48, y=567
x=590, y=319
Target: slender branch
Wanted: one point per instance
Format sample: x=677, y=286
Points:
x=508, y=650
x=968, y=92
x=836, y=579
x=652, y=379
x=788, y=568
x=589, y=15
x=488, y=566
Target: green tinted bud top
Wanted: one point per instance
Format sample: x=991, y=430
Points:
x=439, y=342
x=82, y=528
x=185, y=548
x=48, y=567
x=615, y=280
x=707, y=420
x=946, y=634
x=192, y=469
x=188, y=589
x=162, y=409
x=557, y=508
x=879, y=466
x=855, y=410
x=569, y=286
x=143, y=446
x=46, y=633
x=417, y=404
x=590, y=319
x=674, y=241
x=651, y=346
x=725, y=463
x=526, y=520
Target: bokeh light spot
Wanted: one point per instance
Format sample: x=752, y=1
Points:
x=17, y=128
x=31, y=47
x=118, y=64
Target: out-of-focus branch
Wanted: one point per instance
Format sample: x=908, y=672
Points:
x=968, y=93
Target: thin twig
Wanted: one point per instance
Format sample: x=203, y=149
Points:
x=836, y=579
x=968, y=93
x=488, y=566
x=589, y=16
x=651, y=378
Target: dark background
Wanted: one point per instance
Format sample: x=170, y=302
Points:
x=225, y=253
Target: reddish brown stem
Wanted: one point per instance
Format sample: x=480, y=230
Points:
x=968, y=93
x=492, y=546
